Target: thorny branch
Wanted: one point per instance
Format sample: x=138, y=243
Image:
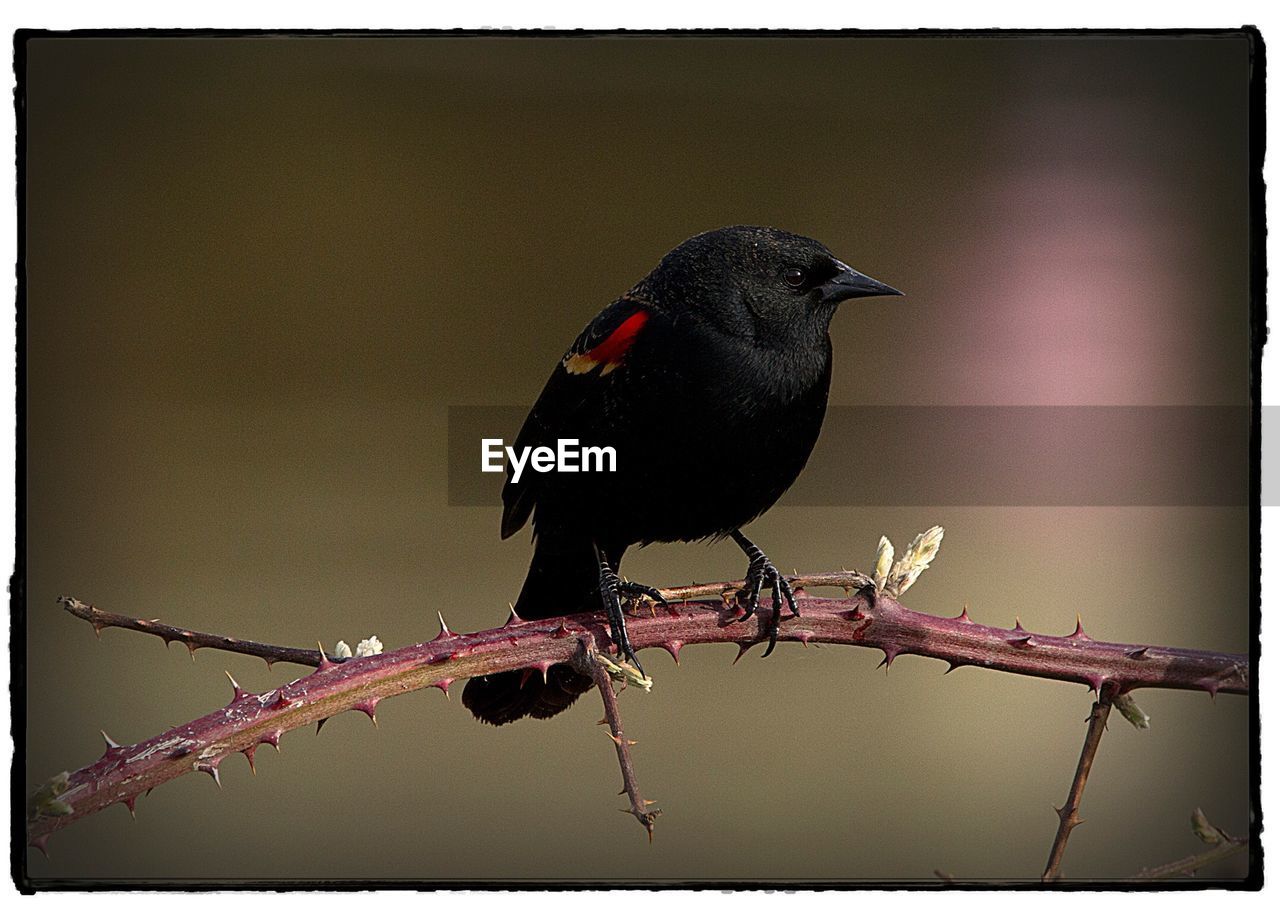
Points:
x=1069, y=812
x=868, y=616
x=639, y=806
x=194, y=639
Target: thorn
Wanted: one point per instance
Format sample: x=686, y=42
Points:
x=620, y=793
x=1137, y=654
x=1094, y=683
x=248, y=754
x=325, y=663
x=603, y=721
x=191, y=649
x=513, y=619
x=673, y=648
x=1023, y=642
x=445, y=632
x=320, y=725
x=282, y=699
x=964, y=614
x=41, y=844
x=238, y=693
x=889, y=654
x=1017, y=625
x=270, y=663
x=111, y=744
x=443, y=685
x=743, y=648
x=647, y=803
x=211, y=769
x=1068, y=818
x=524, y=678
x=560, y=632
x=130, y=803
x=97, y=632
x=804, y=636
x=951, y=666
x=273, y=738
x=369, y=707
x=1079, y=633
x=1212, y=689
x=543, y=666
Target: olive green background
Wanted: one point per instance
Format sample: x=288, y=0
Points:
x=260, y=270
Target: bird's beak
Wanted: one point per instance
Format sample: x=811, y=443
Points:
x=849, y=283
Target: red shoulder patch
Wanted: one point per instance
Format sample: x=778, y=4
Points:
x=609, y=352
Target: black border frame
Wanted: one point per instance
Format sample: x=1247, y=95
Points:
x=28, y=885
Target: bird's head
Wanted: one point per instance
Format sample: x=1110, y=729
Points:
x=761, y=283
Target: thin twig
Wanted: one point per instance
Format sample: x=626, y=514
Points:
x=1068, y=813
x=1189, y=865
x=639, y=806
x=194, y=639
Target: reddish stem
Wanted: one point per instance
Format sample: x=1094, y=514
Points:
x=639, y=806
x=1069, y=812
x=865, y=619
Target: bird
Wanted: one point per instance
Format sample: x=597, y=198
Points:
x=709, y=378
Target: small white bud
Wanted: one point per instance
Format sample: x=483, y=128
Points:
x=884, y=560
x=916, y=560
x=370, y=646
x=342, y=650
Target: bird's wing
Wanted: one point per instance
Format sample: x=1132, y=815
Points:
x=578, y=378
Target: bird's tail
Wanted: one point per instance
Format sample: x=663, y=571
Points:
x=562, y=579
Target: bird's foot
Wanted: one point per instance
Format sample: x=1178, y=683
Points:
x=634, y=591
x=612, y=592
x=761, y=574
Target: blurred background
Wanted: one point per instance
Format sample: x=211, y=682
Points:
x=261, y=270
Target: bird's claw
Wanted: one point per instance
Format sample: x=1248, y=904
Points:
x=763, y=574
x=634, y=591
x=612, y=591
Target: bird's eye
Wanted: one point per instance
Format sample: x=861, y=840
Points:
x=795, y=277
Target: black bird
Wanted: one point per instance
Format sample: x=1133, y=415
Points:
x=709, y=379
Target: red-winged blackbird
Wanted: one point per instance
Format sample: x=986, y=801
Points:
x=709, y=379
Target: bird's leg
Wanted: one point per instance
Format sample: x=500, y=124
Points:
x=762, y=573
x=612, y=591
